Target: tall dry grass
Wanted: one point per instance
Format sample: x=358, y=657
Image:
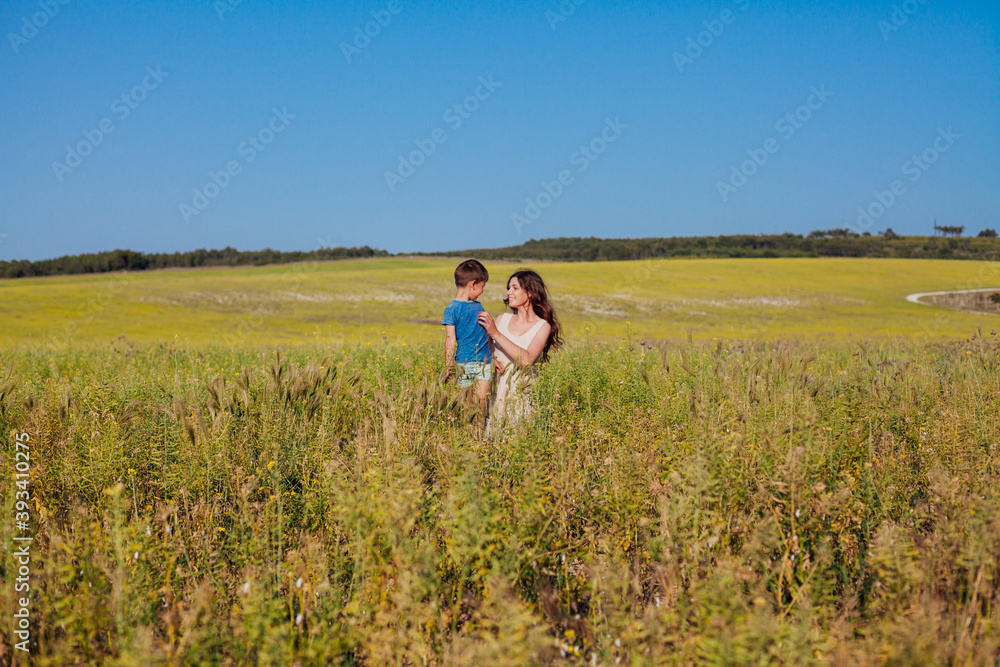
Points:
x=729, y=503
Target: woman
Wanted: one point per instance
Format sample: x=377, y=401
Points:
x=520, y=339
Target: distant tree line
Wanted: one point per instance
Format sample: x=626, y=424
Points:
x=820, y=243
x=129, y=260
x=830, y=243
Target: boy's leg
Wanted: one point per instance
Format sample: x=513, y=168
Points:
x=470, y=380
x=482, y=393
x=482, y=389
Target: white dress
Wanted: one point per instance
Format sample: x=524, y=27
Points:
x=511, y=404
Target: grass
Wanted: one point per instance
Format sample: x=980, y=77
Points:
x=353, y=302
x=718, y=502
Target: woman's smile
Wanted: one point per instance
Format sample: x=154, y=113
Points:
x=516, y=297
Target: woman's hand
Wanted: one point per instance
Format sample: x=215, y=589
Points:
x=499, y=365
x=486, y=320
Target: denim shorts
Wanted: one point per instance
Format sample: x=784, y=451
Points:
x=475, y=371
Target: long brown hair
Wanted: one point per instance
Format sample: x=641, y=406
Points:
x=533, y=284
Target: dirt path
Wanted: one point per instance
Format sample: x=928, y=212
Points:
x=975, y=300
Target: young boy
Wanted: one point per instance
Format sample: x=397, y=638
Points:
x=466, y=342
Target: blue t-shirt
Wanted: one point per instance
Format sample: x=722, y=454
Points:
x=473, y=343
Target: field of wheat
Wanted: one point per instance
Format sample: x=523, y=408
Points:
x=720, y=502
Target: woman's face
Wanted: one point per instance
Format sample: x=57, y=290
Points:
x=516, y=297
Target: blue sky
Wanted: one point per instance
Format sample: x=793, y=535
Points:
x=595, y=119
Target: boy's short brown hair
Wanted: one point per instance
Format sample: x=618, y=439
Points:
x=469, y=270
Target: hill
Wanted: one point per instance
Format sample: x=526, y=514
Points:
x=835, y=243
x=832, y=243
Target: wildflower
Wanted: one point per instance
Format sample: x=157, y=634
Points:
x=135, y=556
x=270, y=465
x=246, y=588
x=298, y=584
x=298, y=619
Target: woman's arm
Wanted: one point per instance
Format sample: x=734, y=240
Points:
x=521, y=356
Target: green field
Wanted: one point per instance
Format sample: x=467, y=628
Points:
x=732, y=462
x=355, y=301
x=791, y=504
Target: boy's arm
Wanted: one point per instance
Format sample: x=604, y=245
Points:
x=450, y=346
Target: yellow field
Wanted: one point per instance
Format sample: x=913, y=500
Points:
x=206, y=501
x=355, y=301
